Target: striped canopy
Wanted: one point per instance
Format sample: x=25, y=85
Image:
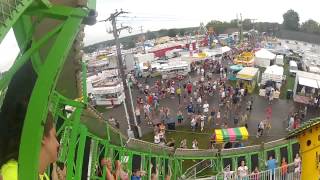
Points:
x=231, y=134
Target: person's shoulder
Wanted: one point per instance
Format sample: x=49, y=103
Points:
x=10, y=170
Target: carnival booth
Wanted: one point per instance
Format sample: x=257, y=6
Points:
x=233, y=70
x=264, y=58
x=248, y=76
x=271, y=79
x=245, y=59
x=306, y=87
x=230, y=134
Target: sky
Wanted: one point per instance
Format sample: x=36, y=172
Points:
x=155, y=15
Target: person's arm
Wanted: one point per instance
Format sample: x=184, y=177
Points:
x=109, y=175
x=116, y=174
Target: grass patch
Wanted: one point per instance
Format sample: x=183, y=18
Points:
x=289, y=82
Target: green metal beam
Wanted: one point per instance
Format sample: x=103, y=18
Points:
x=38, y=104
x=80, y=153
x=16, y=13
x=57, y=12
x=84, y=82
x=24, y=29
x=21, y=60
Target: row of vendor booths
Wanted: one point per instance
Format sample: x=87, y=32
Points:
x=271, y=78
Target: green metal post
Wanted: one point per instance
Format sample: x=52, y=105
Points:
x=72, y=144
x=38, y=104
x=84, y=83
x=80, y=152
x=289, y=148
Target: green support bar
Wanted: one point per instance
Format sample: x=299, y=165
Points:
x=80, y=153
x=72, y=143
x=21, y=60
x=38, y=104
x=84, y=83
x=13, y=16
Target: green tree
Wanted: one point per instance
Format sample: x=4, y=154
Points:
x=291, y=20
x=310, y=26
x=172, y=33
x=247, y=24
x=150, y=35
x=182, y=31
x=234, y=23
x=162, y=32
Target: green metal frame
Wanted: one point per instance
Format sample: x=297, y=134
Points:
x=73, y=132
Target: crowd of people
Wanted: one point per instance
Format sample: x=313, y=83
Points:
x=273, y=170
x=118, y=171
x=194, y=96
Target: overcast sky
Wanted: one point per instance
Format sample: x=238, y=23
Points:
x=155, y=15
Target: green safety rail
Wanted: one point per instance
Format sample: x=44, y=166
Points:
x=52, y=52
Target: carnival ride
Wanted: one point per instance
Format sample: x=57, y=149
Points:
x=48, y=75
x=245, y=58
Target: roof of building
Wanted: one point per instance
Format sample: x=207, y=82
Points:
x=306, y=125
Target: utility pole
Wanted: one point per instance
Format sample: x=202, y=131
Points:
x=143, y=39
x=132, y=126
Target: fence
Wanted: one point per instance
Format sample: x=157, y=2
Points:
x=290, y=172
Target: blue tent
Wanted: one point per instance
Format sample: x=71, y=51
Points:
x=233, y=70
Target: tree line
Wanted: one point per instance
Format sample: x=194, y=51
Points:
x=291, y=21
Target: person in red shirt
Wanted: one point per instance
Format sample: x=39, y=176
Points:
x=189, y=88
x=150, y=99
x=269, y=112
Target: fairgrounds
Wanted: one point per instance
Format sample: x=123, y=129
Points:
x=278, y=119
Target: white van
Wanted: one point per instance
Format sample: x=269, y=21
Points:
x=293, y=68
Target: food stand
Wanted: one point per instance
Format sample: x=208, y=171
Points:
x=249, y=76
x=272, y=77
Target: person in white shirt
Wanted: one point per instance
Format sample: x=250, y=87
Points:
x=156, y=138
x=202, y=117
x=223, y=94
x=297, y=164
x=242, y=171
x=242, y=91
x=291, y=123
x=260, y=128
x=227, y=174
x=193, y=123
x=198, y=70
x=206, y=107
x=195, y=144
x=218, y=117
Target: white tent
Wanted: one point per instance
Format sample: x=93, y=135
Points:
x=263, y=58
x=274, y=73
x=279, y=60
x=224, y=49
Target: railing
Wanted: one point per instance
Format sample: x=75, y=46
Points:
x=280, y=173
x=193, y=171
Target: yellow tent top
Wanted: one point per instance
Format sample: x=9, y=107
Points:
x=247, y=73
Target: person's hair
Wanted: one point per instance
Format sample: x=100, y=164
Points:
x=49, y=124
